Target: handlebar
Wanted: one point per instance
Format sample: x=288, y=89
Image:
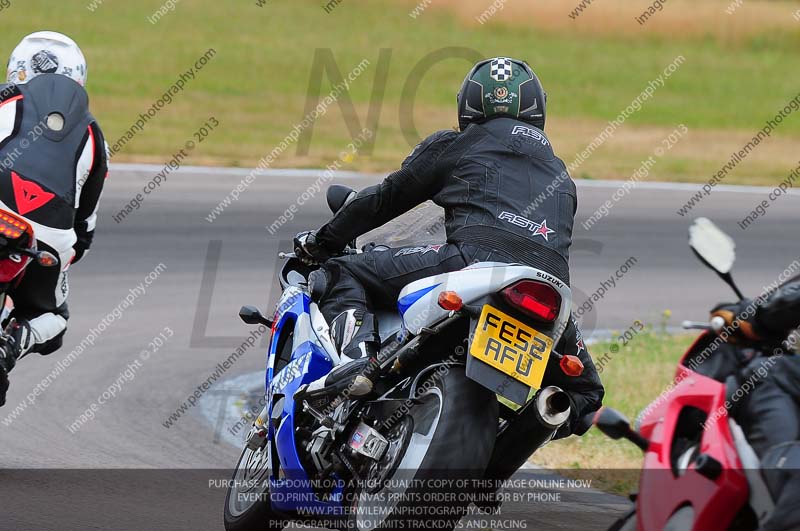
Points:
x=716, y=324
x=347, y=250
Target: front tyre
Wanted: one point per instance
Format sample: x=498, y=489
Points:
x=247, y=504
x=447, y=436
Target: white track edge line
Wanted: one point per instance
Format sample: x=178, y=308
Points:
x=317, y=173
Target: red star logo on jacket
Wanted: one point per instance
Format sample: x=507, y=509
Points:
x=543, y=230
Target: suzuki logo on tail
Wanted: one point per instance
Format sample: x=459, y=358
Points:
x=28, y=195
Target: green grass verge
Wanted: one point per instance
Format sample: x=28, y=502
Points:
x=633, y=375
x=256, y=86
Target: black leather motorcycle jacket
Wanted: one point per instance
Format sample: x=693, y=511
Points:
x=52, y=145
x=780, y=312
x=500, y=184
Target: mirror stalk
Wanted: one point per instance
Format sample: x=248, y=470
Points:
x=616, y=426
x=728, y=278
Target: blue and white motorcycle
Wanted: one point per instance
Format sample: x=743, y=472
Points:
x=459, y=403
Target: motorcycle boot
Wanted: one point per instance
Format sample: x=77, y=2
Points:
x=355, y=335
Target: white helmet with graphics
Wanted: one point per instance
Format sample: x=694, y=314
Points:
x=46, y=52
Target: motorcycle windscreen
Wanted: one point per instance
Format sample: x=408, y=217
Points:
x=421, y=225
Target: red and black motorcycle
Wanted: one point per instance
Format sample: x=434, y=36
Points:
x=699, y=471
x=17, y=251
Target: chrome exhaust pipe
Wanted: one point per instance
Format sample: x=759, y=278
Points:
x=552, y=407
x=535, y=425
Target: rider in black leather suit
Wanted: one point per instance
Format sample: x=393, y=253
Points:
x=507, y=198
x=770, y=414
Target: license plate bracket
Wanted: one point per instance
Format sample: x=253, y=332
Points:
x=511, y=346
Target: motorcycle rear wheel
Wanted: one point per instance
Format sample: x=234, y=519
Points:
x=454, y=429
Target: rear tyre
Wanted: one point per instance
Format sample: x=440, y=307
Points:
x=626, y=523
x=247, y=504
x=447, y=435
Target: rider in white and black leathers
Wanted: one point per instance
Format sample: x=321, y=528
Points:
x=770, y=414
x=53, y=164
x=490, y=178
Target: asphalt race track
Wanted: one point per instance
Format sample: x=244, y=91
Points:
x=209, y=270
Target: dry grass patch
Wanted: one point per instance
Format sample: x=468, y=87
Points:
x=697, y=156
x=687, y=18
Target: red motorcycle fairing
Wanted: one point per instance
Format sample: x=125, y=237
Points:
x=664, y=490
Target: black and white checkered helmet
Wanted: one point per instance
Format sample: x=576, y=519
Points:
x=501, y=86
x=501, y=69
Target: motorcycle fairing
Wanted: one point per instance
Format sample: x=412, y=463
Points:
x=472, y=283
x=290, y=487
x=404, y=302
x=711, y=499
x=475, y=285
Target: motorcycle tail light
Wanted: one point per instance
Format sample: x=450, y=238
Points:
x=537, y=299
x=16, y=234
x=12, y=227
x=571, y=365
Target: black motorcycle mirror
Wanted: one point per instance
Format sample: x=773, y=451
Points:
x=338, y=195
x=715, y=249
x=252, y=315
x=616, y=426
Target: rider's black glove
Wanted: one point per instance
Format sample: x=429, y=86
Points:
x=80, y=249
x=738, y=317
x=84, y=241
x=308, y=250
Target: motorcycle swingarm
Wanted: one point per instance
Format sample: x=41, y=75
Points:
x=384, y=409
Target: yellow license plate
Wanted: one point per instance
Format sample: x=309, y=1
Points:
x=511, y=346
